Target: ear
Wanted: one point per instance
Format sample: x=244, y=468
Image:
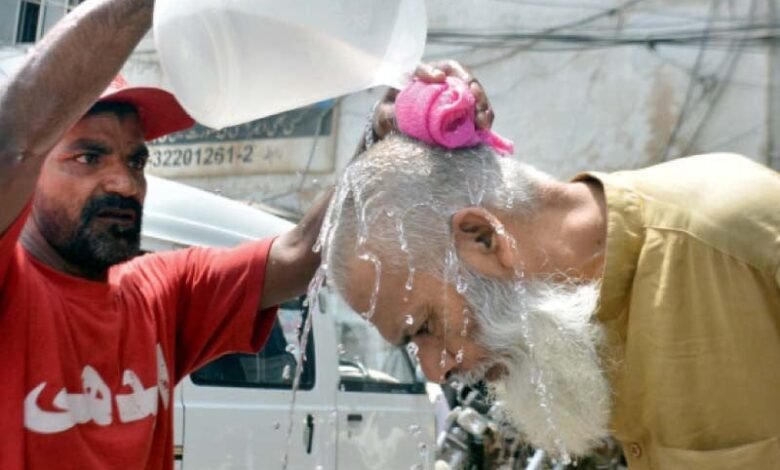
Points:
x=482, y=244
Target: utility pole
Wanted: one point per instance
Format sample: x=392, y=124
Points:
x=773, y=91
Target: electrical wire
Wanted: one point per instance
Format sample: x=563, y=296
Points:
x=717, y=94
x=531, y=41
x=689, y=90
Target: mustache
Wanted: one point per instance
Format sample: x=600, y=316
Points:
x=110, y=201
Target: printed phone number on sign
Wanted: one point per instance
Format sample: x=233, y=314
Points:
x=202, y=156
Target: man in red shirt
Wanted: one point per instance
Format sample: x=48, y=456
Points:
x=92, y=338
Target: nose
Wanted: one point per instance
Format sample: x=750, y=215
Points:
x=436, y=362
x=122, y=180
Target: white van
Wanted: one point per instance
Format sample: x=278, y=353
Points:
x=360, y=403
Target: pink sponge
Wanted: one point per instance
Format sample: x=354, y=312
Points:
x=443, y=114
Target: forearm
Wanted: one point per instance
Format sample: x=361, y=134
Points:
x=65, y=74
x=292, y=261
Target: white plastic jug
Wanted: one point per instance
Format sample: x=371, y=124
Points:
x=233, y=61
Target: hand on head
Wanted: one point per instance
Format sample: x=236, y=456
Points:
x=384, y=120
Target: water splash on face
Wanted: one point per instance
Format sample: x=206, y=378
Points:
x=410, y=280
x=373, y=259
x=460, y=284
x=409, y=320
x=465, y=330
x=399, y=226
x=459, y=356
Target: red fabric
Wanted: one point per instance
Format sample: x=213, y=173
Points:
x=444, y=114
x=160, y=112
x=81, y=386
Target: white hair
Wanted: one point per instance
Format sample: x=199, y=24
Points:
x=543, y=335
x=397, y=200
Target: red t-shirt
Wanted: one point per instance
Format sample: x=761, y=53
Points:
x=88, y=368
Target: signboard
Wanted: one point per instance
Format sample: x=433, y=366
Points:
x=285, y=143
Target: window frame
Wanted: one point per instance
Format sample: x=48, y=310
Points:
x=309, y=367
x=67, y=5
x=366, y=385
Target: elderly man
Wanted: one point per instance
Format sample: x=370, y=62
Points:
x=640, y=304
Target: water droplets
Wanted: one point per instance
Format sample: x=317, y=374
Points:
x=465, y=330
x=459, y=356
x=461, y=286
x=373, y=259
x=410, y=280
x=399, y=227
x=443, y=361
x=409, y=320
x=315, y=286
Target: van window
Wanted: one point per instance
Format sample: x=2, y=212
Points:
x=274, y=366
x=368, y=363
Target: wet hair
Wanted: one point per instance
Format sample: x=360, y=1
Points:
x=396, y=201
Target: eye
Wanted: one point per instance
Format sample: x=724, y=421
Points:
x=138, y=162
x=88, y=158
x=424, y=329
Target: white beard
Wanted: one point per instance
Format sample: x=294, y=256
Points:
x=554, y=389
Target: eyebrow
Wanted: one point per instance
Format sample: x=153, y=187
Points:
x=406, y=337
x=90, y=145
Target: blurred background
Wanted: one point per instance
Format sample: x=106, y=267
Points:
x=577, y=84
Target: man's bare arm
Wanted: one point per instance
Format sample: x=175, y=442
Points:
x=57, y=84
x=292, y=261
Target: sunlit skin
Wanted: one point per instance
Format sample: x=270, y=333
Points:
x=438, y=318
x=102, y=154
x=485, y=241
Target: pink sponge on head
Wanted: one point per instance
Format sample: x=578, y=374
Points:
x=443, y=114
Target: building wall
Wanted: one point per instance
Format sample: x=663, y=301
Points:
x=568, y=108
x=8, y=10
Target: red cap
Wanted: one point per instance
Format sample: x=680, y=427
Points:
x=159, y=111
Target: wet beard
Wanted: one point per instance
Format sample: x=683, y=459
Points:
x=553, y=389
x=89, y=246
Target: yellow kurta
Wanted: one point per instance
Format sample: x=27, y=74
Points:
x=691, y=305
